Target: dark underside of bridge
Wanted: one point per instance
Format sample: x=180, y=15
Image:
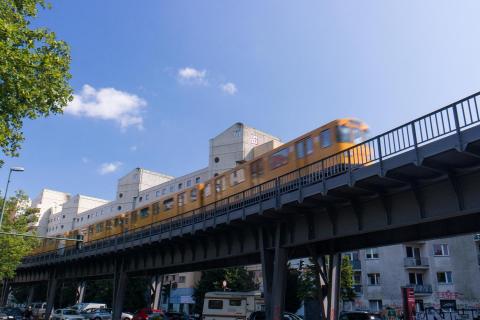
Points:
x=427, y=192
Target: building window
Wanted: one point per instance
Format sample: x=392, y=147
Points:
x=325, y=138
x=147, y=196
x=357, y=277
x=180, y=185
x=63, y=217
x=448, y=305
x=140, y=199
x=119, y=208
x=171, y=188
x=444, y=277
x=279, y=158
x=415, y=278
x=157, y=193
x=419, y=306
x=120, y=195
x=164, y=191
x=181, y=279
x=217, y=159
x=189, y=183
x=375, y=305
x=373, y=279
x=440, y=250
x=371, y=253
x=197, y=180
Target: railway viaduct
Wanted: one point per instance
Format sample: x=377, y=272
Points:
x=418, y=181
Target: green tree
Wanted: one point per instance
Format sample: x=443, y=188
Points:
x=346, y=280
x=34, y=71
x=16, y=219
x=238, y=279
x=292, y=299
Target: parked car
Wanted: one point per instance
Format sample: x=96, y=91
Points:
x=172, y=315
x=147, y=313
x=3, y=316
x=38, y=309
x=66, y=314
x=359, y=315
x=12, y=313
x=88, y=305
x=260, y=315
x=124, y=316
x=96, y=314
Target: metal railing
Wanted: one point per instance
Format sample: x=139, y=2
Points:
x=446, y=121
x=415, y=262
x=421, y=288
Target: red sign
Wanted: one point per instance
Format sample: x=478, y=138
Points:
x=408, y=295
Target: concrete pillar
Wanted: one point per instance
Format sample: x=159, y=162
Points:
x=155, y=290
x=51, y=290
x=266, y=256
x=274, y=269
x=334, y=285
x=5, y=292
x=31, y=293
x=80, y=294
x=119, y=286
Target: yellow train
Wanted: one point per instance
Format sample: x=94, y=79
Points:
x=309, y=148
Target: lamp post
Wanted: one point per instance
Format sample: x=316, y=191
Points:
x=16, y=169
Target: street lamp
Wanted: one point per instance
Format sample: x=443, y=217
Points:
x=16, y=169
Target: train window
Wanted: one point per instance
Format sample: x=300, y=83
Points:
x=133, y=216
x=181, y=199
x=144, y=213
x=325, y=138
x=279, y=158
x=90, y=229
x=237, y=176
x=108, y=224
x=215, y=304
x=193, y=195
x=220, y=184
x=99, y=227
x=156, y=208
x=304, y=147
x=309, y=145
x=344, y=134
x=117, y=222
x=168, y=204
x=256, y=168
x=208, y=191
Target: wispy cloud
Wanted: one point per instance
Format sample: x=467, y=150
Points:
x=133, y=148
x=109, y=167
x=229, y=88
x=190, y=75
x=85, y=160
x=108, y=104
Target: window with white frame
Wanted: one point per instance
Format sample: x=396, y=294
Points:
x=444, y=277
x=440, y=250
x=371, y=253
x=373, y=279
x=375, y=305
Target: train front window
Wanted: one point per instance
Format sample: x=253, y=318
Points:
x=344, y=134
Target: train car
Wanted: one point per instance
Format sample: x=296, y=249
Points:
x=323, y=142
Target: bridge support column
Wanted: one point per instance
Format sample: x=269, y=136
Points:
x=274, y=270
x=155, y=290
x=119, y=286
x=80, y=294
x=31, y=293
x=334, y=285
x=5, y=292
x=51, y=290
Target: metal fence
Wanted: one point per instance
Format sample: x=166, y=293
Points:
x=446, y=121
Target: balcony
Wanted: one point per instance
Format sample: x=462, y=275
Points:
x=421, y=289
x=416, y=263
x=356, y=264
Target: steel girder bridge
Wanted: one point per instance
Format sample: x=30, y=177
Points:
x=418, y=181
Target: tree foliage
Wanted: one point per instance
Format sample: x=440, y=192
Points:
x=292, y=299
x=346, y=280
x=34, y=71
x=238, y=279
x=17, y=218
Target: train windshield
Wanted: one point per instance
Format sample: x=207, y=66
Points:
x=349, y=134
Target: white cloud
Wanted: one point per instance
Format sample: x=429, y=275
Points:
x=229, y=88
x=108, y=104
x=109, y=167
x=85, y=160
x=190, y=75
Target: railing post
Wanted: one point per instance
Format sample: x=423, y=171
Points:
x=323, y=178
x=415, y=142
x=380, y=155
x=349, y=166
x=457, y=127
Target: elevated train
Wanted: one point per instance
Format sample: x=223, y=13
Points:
x=309, y=148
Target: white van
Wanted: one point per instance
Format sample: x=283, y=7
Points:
x=223, y=305
x=88, y=305
x=38, y=309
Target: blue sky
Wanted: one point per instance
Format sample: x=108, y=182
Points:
x=156, y=79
